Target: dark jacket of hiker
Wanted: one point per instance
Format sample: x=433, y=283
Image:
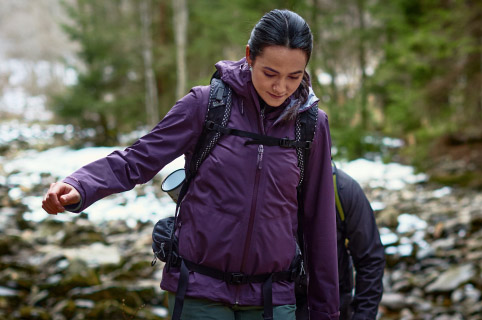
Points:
x=240, y=211
x=359, y=246
x=364, y=251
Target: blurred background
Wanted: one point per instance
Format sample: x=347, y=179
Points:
x=401, y=81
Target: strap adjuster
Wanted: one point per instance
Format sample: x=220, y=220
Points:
x=210, y=125
x=237, y=278
x=285, y=143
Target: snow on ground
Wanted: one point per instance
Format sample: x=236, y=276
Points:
x=27, y=168
x=375, y=174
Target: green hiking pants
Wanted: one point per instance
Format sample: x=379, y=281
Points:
x=202, y=309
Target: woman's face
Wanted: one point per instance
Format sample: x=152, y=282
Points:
x=277, y=73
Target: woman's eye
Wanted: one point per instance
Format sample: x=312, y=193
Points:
x=269, y=75
x=294, y=78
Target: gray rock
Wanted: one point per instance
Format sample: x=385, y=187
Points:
x=95, y=254
x=394, y=301
x=452, y=279
x=7, y=292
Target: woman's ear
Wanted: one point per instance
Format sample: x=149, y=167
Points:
x=248, y=58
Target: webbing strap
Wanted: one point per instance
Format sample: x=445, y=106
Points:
x=180, y=292
x=339, y=207
x=234, y=278
x=268, y=298
x=239, y=277
x=258, y=138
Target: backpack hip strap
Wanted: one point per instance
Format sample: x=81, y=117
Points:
x=236, y=278
x=233, y=278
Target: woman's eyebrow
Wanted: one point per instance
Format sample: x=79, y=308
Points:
x=272, y=70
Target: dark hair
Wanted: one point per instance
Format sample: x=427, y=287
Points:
x=288, y=29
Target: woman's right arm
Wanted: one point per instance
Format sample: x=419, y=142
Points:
x=120, y=171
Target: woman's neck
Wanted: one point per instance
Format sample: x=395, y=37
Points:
x=267, y=108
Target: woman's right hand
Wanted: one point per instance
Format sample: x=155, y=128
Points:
x=60, y=194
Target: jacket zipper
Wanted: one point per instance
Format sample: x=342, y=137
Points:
x=252, y=213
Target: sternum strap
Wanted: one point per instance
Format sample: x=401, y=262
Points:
x=257, y=138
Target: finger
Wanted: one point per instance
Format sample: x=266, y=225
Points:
x=70, y=198
x=49, y=209
x=52, y=199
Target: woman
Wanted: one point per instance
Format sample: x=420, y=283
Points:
x=240, y=211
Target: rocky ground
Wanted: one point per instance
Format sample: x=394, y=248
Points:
x=434, y=267
x=77, y=270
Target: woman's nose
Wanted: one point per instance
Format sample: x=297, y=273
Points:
x=279, y=86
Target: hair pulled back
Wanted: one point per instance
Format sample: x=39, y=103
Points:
x=288, y=29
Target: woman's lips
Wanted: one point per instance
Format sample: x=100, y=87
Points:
x=274, y=96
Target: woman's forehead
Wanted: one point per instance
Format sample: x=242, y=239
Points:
x=282, y=59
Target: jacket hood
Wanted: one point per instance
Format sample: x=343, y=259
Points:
x=238, y=76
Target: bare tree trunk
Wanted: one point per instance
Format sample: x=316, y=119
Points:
x=363, y=65
x=328, y=58
x=314, y=63
x=473, y=67
x=180, y=34
x=152, y=110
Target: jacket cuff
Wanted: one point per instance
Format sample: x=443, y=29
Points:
x=76, y=207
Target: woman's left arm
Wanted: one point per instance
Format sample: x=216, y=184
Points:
x=319, y=227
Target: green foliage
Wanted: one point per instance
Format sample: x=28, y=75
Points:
x=419, y=78
x=109, y=89
x=409, y=69
x=348, y=142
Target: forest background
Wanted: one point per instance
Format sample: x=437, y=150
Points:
x=402, y=75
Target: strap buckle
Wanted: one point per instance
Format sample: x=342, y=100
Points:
x=285, y=143
x=237, y=278
x=308, y=144
x=210, y=125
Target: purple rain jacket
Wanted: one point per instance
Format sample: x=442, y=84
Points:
x=240, y=212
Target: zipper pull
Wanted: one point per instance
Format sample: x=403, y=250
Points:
x=260, y=155
x=153, y=262
x=242, y=107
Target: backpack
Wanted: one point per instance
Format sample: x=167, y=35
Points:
x=165, y=243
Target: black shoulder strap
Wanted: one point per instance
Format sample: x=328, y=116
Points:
x=305, y=131
x=219, y=110
x=218, y=113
